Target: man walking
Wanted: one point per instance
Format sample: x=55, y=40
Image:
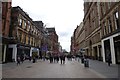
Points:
x=109, y=58
x=18, y=60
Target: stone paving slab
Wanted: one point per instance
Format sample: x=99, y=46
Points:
x=43, y=69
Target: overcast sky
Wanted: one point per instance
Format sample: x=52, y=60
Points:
x=64, y=15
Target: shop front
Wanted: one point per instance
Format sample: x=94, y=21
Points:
x=111, y=45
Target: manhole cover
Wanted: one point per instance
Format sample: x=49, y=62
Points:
x=29, y=66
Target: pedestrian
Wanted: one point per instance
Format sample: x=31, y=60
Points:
x=63, y=59
x=54, y=58
x=22, y=58
x=50, y=57
x=109, y=58
x=29, y=58
x=18, y=60
x=57, y=58
x=34, y=59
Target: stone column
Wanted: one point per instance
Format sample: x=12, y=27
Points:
x=112, y=50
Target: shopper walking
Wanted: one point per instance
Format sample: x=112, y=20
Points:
x=18, y=60
x=63, y=59
x=109, y=58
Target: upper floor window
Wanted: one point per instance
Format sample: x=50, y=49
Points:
x=29, y=28
x=104, y=28
x=103, y=8
x=109, y=5
x=24, y=39
x=94, y=24
x=29, y=40
x=20, y=36
x=32, y=29
x=20, y=22
x=109, y=25
x=25, y=25
x=116, y=20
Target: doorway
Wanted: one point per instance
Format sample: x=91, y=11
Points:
x=107, y=48
x=117, y=49
x=95, y=53
x=9, y=55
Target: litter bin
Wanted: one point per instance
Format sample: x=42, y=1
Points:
x=86, y=62
x=82, y=60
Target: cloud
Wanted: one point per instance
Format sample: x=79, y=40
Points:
x=63, y=34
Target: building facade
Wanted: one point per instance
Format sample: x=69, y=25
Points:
x=91, y=23
x=54, y=40
x=6, y=13
x=79, y=38
x=24, y=34
x=110, y=24
x=60, y=48
x=72, y=47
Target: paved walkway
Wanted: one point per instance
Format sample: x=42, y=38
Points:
x=103, y=68
x=72, y=69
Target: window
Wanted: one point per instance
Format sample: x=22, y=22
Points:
x=104, y=8
x=109, y=5
x=20, y=22
x=116, y=20
x=94, y=25
x=109, y=25
x=34, y=31
x=25, y=39
x=20, y=36
x=29, y=28
x=29, y=40
x=25, y=25
x=104, y=28
x=93, y=12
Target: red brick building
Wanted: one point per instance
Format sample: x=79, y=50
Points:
x=6, y=13
x=54, y=40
